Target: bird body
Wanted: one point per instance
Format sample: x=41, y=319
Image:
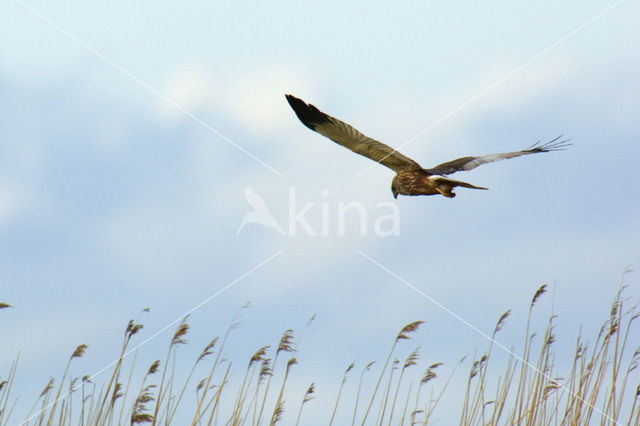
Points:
x=410, y=178
x=421, y=182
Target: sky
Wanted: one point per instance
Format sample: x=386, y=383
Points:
x=130, y=133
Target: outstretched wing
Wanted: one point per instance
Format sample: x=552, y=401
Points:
x=349, y=137
x=468, y=163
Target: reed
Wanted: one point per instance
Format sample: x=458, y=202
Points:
x=402, y=335
x=344, y=380
x=308, y=396
x=598, y=384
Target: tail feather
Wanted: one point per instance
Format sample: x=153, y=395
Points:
x=468, y=185
x=455, y=183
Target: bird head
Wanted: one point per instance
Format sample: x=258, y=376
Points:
x=394, y=190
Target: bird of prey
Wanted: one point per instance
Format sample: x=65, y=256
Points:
x=410, y=178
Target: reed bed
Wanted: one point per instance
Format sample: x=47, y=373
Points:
x=600, y=385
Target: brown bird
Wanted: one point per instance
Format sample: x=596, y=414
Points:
x=410, y=178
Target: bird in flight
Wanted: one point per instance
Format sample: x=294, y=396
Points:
x=410, y=178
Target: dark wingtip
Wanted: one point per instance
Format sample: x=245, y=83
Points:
x=308, y=114
x=555, y=144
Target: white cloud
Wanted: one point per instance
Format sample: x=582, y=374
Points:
x=13, y=200
x=252, y=98
x=255, y=98
x=515, y=86
x=190, y=88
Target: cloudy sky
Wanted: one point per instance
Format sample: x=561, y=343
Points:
x=131, y=131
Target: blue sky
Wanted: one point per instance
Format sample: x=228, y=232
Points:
x=112, y=199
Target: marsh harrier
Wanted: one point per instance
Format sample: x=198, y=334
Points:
x=410, y=178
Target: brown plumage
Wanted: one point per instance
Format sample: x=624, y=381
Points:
x=411, y=178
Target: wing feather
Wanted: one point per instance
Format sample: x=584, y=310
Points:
x=469, y=163
x=349, y=137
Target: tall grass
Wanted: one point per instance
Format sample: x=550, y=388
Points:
x=598, y=383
